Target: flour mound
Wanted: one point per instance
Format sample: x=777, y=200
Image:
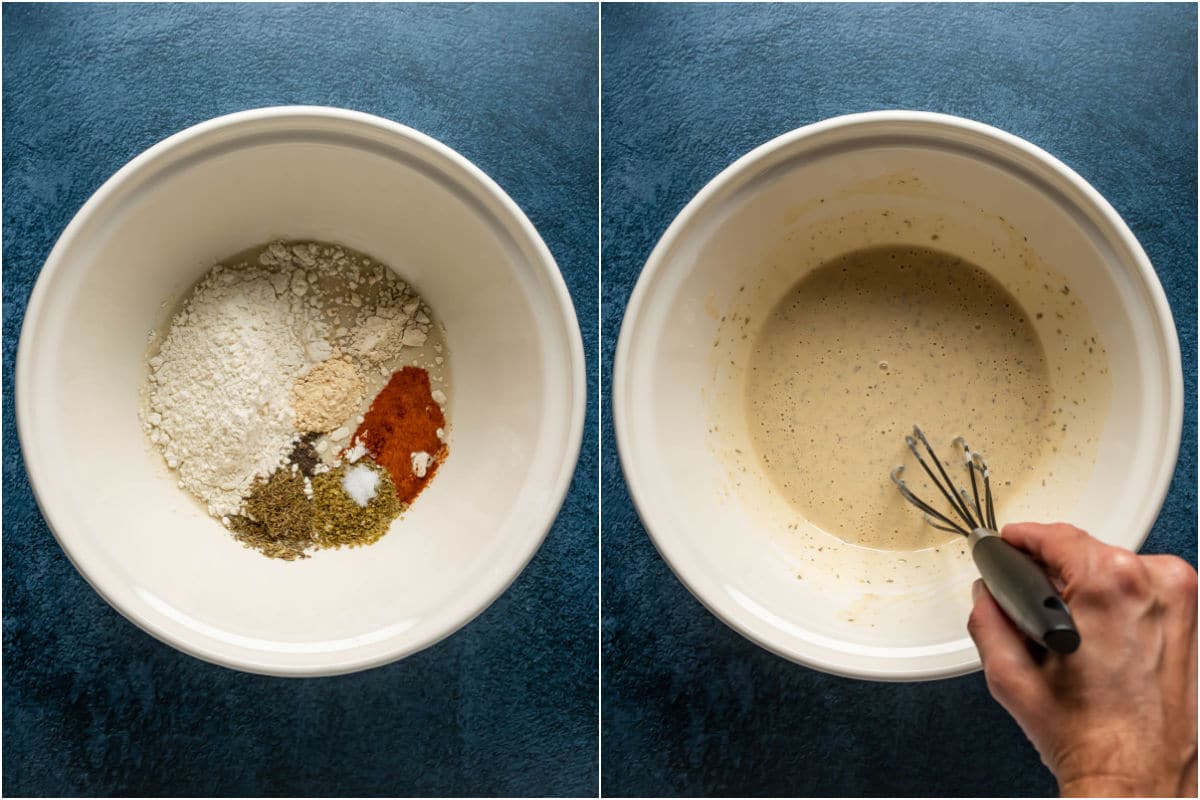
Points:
x=219, y=404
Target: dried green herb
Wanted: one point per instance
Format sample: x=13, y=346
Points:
x=279, y=516
x=341, y=522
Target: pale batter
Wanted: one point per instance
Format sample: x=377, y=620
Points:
x=867, y=345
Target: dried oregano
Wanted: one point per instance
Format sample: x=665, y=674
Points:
x=341, y=522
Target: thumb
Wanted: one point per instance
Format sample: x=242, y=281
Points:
x=1007, y=662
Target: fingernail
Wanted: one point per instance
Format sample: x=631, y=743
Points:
x=976, y=589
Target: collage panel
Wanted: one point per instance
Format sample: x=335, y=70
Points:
x=300, y=392
x=822, y=225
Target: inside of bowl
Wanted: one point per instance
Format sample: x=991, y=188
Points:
x=150, y=546
x=733, y=538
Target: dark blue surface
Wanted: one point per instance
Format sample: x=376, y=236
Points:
x=94, y=706
x=690, y=707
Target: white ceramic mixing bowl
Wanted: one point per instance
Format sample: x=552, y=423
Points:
x=739, y=245
x=516, y=406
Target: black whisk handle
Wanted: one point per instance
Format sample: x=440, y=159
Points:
x=1022, y=589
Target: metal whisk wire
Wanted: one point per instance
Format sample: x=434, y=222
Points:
x=1015, y=581
x=970, y=512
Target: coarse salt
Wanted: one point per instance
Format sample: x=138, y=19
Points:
x=360, y=483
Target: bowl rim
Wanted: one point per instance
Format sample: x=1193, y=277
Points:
x=929, y=122
x=134, y=608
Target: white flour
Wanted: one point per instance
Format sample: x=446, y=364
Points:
x=220, y=386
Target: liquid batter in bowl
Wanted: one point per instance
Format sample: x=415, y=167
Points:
x=871, y=342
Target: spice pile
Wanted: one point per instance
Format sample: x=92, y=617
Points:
x=294, y=395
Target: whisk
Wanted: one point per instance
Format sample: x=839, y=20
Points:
x=1015, y=580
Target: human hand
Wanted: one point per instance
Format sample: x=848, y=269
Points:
x=1118, y=716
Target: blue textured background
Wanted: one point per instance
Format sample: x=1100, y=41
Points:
x=94, y=706
x=690, y=707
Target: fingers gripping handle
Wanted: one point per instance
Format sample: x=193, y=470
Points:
x=1022, y=589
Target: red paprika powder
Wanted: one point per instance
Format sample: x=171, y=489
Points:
x=404, y=419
